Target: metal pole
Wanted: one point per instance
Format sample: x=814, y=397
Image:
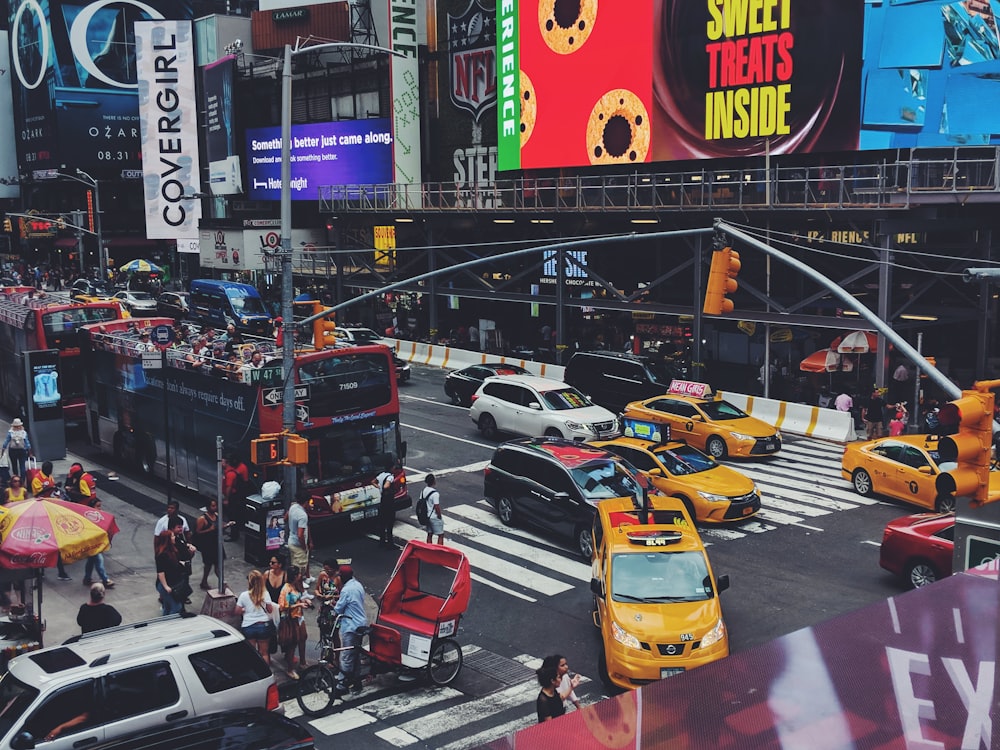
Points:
x=166, y=423
x=101, y=250
x=222, y=521
x=915, y=410
x=287, y=290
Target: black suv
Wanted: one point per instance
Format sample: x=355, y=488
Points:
x=173, y=305
x=614, y=379
x=555, y=484
x=89, y=288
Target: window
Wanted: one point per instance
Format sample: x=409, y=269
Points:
x=567, y=398
x=75, y=701
x=722, y=410
x=137, y=691
x=553, y=477
x=229, y=666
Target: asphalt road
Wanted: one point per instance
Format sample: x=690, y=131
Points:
x=810, y=556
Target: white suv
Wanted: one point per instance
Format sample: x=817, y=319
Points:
x=145, y=675
x=536, y=407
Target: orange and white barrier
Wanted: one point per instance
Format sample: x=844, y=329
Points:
x=797, y=419
x=455, y=359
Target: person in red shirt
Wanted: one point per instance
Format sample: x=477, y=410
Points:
x=235, y=487
x=81, y=487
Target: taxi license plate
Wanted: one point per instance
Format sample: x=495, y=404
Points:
x=770, y=446
x=670, y=671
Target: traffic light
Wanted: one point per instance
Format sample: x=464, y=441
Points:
x=966, y=430
x=721, y=281
x=8, y=226
x=322, y=326
x=267, y=450
x=296, y=449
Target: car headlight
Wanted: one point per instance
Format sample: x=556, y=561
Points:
x=625, y=638
x=578, y=426
x=712, y=498
x=777, y=434
x=714, y=635
x=741, y=436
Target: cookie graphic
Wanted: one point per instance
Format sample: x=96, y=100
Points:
x=613, y=723
x=618, y=129
x=529, y=108
x=566, y=24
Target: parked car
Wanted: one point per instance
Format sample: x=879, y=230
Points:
x=528, y=405
x=173, y=305
x=555, y=485
x=614, y=379
x=402, y=369
x=358, y=335
x=906, y=468
x=919, y=548
x=89, y=288
x=137, y=303
x=460, y=385
x=246, y=729
x=131, y=679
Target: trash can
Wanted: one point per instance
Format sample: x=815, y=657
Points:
x=263, y=529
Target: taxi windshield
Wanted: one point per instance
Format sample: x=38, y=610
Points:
x=716, y=410
x=660, y=576
x=604, y=478
x=15, y=699
x=684, y=460
x=566, y=398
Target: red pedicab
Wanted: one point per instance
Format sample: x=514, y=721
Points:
x=418, y=614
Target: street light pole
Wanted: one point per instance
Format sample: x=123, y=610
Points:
x=85, y=179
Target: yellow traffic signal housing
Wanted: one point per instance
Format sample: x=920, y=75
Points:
x=966, y=429
x=7, y=225
x=296, y=450
x=267, y=450
x=322, y=327
x=722, y=281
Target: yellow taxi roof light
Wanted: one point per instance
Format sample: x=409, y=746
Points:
x=652, y=538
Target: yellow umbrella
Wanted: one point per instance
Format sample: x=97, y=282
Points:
x=35, y=532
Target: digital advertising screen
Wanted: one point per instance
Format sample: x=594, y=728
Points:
x=343, y=153
x=224, y=173
x=46, y=400
x=723, y=78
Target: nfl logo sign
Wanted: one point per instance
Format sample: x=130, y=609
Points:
x=472, y=58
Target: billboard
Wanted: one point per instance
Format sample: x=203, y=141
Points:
x=168, y=123
x=224, y=174
x=74, y=81
x=732, y=79
x=347, y=152
x=8, y=153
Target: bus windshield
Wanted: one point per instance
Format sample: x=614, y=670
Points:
x=347, y=383
x=244, y=305
x=343, y=453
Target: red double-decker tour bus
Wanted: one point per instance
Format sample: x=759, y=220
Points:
x=347, y=407
x=31, y=320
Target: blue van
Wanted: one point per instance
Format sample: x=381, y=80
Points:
x=219, y=303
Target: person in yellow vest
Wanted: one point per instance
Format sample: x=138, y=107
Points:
x=43, y=483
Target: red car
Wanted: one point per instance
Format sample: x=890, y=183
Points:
x=919, y=548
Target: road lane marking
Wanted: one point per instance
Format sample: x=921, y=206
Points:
x=449, y=437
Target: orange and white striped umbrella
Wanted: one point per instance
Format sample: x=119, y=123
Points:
x=34, y=532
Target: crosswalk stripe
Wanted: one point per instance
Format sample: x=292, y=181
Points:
x=456, y=717
x=776, y=516
x=774, y=503
x=810, y=498
x=494, y=565
x=844, y=493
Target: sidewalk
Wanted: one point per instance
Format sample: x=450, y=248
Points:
x=130, y=564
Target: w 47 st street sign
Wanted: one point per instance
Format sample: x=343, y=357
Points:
x=274, y=396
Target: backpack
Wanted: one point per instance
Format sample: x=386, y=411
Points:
x=16, y=439
x=423, y=511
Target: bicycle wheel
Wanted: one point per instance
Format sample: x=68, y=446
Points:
x=445, y=662
x=316, y=689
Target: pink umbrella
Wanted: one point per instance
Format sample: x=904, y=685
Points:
x=35, y=532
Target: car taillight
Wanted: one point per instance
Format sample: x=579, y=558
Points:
x=474, y=397
x=273, y=699
x=486, y=472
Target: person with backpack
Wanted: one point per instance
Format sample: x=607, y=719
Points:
x=17, y=446
x=386, y=483
x=235, y=488
x=429, y=510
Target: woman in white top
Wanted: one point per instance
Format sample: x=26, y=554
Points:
x=255, y=606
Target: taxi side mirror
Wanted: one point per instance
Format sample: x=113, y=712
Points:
x=722, y=582
x=697, y=418
x=655, y=472
x=595, y=587
x=925, y=470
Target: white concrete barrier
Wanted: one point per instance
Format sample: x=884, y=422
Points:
x=454, y=359
x=797, y=419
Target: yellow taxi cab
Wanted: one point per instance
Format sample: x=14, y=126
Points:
x=102, y=298
x=656, y=600
x=707, y=422
x=711, y=492
x=906, y=467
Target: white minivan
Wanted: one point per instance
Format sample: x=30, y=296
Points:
x=109, y=683
x=539, y=407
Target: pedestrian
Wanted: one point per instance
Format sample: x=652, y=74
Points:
x=97, y=614
x=205, y=540
x=43, y=484
x=170, y=574
x=897, y=426
x=164, y=522
x=17, y=446
x=873, y=415
x=291, y=604
x=96, y=563
x=14, y=491
x=473, y=337
x=549, y=704
x=255, y=607
x=386, y=483
x=80, y=485
x=435, y=521
x=235, y=488
x=567, y=680
x=299, y=540
x=328, y=585
x=351, y=607
x=900, y=382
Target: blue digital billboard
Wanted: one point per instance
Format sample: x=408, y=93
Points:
x=339, y=154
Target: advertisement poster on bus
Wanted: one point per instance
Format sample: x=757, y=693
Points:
x=729, y=79
x=46, y=400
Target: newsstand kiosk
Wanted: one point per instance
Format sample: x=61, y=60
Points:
x=20, y=626
x=264, y=529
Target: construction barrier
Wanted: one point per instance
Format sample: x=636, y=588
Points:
x=797, y=419
x=451, y=358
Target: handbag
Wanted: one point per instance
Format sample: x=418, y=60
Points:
x=181, y=591
x=288, y=632
x=4, y=460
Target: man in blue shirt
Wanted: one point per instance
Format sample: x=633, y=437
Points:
x=351, y=605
